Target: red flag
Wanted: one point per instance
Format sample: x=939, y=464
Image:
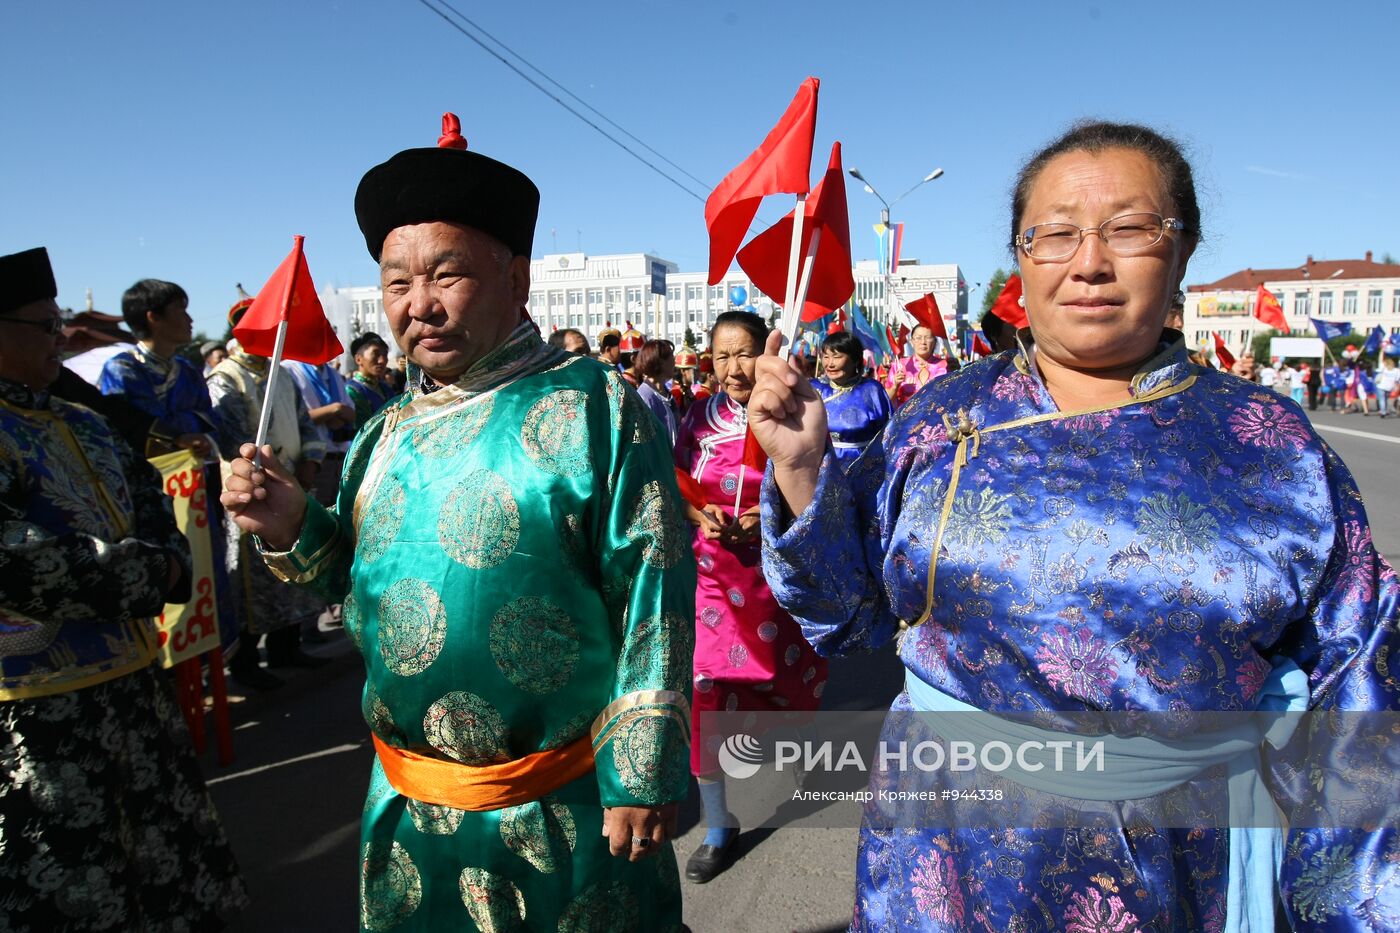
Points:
x=1222, y=354
x=754, y=456
x=838, y=323
x=782, y=164
x=980, y=346
x=890, y=339
x=1268, y=310
x=766, y=257
x=925, y=311
x=289, y=296
x=900, y=337
x=690, y=489
x=1008, y=306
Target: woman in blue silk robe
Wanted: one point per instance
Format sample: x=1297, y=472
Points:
x=1093, y=523
x=857, y=407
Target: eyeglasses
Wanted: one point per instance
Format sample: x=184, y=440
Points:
x=1123, y=235
x=52, y=326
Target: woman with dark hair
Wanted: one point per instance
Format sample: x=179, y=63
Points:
x=656, y=364
x=1095, y=525
x=749, y=653
x=366, y=386
x=857, y=407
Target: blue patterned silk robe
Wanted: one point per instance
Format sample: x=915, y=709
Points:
x=855, y=416
x=1153, y=555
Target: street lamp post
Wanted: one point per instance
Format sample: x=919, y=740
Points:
x=887, y=273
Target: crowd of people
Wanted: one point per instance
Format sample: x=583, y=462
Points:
x=556, y=561
x=1348, y=385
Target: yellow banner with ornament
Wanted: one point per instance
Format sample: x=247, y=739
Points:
x=187, y=630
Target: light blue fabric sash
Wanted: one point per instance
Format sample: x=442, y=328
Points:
x=1140, y=766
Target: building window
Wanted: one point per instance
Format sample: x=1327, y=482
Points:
x=575, y=298
x=1395, y=302
x=1302, y=303
x=595, y=321
x=595, y=297
x=1324, y=303
x=634, y=298
x=1375, y=302
x=1349, y=303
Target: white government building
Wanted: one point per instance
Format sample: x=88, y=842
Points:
x=1360, y=292
x=588, y=292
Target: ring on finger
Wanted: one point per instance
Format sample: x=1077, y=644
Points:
x=641, y=842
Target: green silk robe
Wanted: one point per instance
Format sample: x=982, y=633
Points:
x=516, y=571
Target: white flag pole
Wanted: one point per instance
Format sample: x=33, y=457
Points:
x=806, y=280
x=275, y=365
x=273, y=368
x=790, y=313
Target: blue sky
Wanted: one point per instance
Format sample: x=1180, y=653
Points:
x=190, y=140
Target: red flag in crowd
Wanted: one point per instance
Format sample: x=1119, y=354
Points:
x=754, y=456
x=925, y=311
x=980, y=346
x=1226, y=358
x=690, y=489
x=782, y=164
x=1268, y=310
x=289, y=296
x=767, y=256
x=890, y=339
x=1008, y=306
x=838, y=323
x=900, y=337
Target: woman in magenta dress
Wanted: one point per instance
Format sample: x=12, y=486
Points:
x=909, y=374
x=749, y=654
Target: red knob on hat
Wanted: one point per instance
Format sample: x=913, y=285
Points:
x=451, y=137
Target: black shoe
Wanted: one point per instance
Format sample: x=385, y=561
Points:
x=297, y=658
x=708, y=861
x=256, y=678
x=314, y=635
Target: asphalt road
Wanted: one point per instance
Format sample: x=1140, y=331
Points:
x=291, y=800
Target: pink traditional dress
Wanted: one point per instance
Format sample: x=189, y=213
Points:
x=749, y=654
x=917, y=374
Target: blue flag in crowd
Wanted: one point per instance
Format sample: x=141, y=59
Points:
x=1327, y=330
x=862, y=329
x=1392, y=346
x=1373, y=340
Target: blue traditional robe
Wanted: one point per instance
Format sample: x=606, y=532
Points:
x=1155, y=555
x=855, y=416
x=172, y=391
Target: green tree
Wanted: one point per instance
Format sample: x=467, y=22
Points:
x=690, y=338
x=1389, y=258
x=190, y=351
x=994, y=287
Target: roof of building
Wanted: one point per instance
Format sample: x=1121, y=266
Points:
x=1310, y=271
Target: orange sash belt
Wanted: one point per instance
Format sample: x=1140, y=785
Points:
x=483, y=787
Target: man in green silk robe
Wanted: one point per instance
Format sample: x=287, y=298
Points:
x=509, y=546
